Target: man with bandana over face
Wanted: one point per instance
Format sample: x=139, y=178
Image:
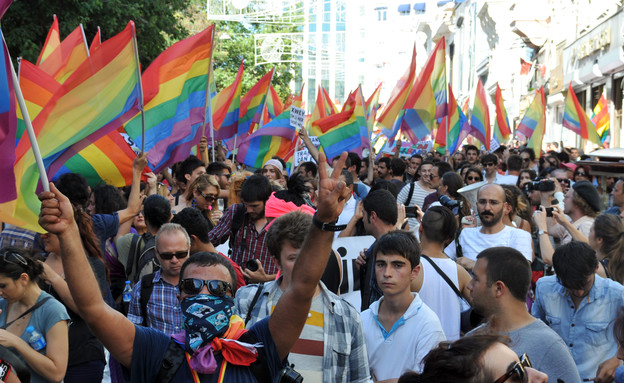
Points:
x=207, y=286
x=491, y=207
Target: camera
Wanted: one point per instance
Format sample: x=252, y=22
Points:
x=447, y=202
x=289, y=375
x=549, y=211
x=540, y=185
x=252, y=265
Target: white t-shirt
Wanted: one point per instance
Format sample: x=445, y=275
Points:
x=473, y=242
x=508, y=179
x=347, y=213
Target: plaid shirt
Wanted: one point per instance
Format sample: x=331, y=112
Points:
x=248, y=244
x=163, y=308
x=345, y=358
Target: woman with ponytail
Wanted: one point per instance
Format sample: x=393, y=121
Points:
x=86, y=354
x=22, y=305
x=607, y=238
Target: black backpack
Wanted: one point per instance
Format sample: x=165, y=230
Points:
x=142, y=254
x=147, y=285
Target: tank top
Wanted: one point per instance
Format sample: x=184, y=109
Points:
x=439, y=296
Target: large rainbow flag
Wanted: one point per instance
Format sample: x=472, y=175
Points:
x=502, y=131
x=225, y=108
x=277, y=138
x=397, y=98
x=252, y=104
x=533, y=124
x=322, y=108
x=174, y=88
x=53, y=40
x=67, y=57
x=8, y=121
x=97, y=98
x=575, y=119
x=273, y=107
x=600, y=118
x=438, y=77
x=480, y=119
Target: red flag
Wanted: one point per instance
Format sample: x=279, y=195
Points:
x=525, y=67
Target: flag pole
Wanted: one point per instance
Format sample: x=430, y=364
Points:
x=208, y=107
x=29, y=128
x=84, y=38
x=141, y=106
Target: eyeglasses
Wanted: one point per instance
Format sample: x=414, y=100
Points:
x=208, y=197
x=177, y=254
x=192, y=286
x=488, y=164
x=518, y=369
x=17, y=257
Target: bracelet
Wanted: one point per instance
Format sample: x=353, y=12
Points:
x=327, y=226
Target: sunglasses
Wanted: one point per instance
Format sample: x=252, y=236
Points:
x=177, y=254
x=18, y=259
x=582, y=174
x=226, y=175
x=488, y=164
x=473, y=179
x=526, y=159
x=192, y=286
x=563, y=180
x=208, y=197
x=518, y=370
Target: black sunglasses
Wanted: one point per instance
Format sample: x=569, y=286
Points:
x=526, y=159
x=177, y=254
x=19, y=260
x=488, y=164
x=226, y=175
x=192, y=286
x=518, y=369
x=209, y=198
x=473, y=179
x=563, y=180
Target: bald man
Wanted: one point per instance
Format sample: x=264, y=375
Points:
x=491, y=206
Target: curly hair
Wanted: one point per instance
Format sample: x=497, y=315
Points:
x=292, y=227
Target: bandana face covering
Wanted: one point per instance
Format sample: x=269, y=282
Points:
x=205, y=317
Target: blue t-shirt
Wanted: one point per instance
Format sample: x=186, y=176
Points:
x=42, y=319
x=150, y=346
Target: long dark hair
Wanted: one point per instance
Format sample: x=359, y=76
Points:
x=15, y=261
x=90, y=241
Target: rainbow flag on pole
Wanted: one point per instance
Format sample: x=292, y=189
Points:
x=480, y=119
x=97, y=98
x=454, y=127
x=97, y=41
x=533, y=123
x=225, y=108
x=8, y=121
x=67, y=57
x=600, y=118
x=438, y=77
x=273, y=108
x=502, y=131
x=575, y=119
x=252, y=104
x=53, y=40
x=174, y=88
x=397, y=98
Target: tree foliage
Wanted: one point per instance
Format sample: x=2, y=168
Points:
x=26, y=23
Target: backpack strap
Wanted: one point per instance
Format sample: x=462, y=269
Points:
x=254, y=301
x=172, y=360
x=444, y=276
x=135, y=246
x=147, y=285
x=149, y=242
x=410, y=194
x=237, y=222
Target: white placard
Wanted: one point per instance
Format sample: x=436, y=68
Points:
x=304, y=155
x=297, y=116
x=494, y=144
x=349, y=249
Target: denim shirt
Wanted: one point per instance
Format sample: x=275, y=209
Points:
x=588, y=331
x=345, y=358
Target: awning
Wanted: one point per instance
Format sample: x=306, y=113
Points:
x=380, y=8
x=420, y=6
x=404, y=8
x=444, y=2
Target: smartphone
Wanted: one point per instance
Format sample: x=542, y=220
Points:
x=220, y=204
x=411, y=211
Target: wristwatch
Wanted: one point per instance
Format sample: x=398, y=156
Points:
x=327, y=226
x=540, y=232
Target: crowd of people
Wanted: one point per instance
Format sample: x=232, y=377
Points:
x=214, y=272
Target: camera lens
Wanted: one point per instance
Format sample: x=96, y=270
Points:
x=252, y=265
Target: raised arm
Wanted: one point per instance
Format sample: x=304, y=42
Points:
x=314, y=152
x=114, y=330
x=292, y=309
x=134, y=199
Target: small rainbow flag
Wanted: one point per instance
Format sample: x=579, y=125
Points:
x=501, y=126
x=53, y=40
x=67, y=57
x=533, y=123
x=226, y=106
x=438, y=77
x=456, y=124
x=397, y=98
x=97, y=41
x=251, y=106
x=575, y=119
x=322, y=108
x=600, y=118
x=273, y=107
x=480, y=119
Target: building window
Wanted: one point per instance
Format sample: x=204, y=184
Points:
x=404, y=9
x=419, y=8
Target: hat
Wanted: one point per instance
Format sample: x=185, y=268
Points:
x=275, y=163
x=588, y=193
x=568, y=165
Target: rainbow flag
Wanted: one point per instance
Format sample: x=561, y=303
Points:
x=454, y=127
x=397, y=98
x=98, y=97
x=330, y=105
x=67, y=57
x=322, y=108
x=294, y=99
x=53, y=40
x=343, y=131
x=575, y=119
x=38, y=88
x=438, y=77
x=97, y=41
x=8, y=121
x=251, y=106
x=480, y=119
x=273, y=107
x=349, y=102
x=277, y=138
x=174, y=88
x=372, y=103
x=600, y=118
x=533, y=123
x=501, y=126
x=225, y=108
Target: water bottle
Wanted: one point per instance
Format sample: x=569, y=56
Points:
x=35, y=339
x=127, y=292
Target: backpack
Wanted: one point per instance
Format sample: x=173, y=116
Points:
x=237, y=222
x=147, y=285
x=141, y=256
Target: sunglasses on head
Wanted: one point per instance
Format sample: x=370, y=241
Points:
x=14, y=258
x=192, y=286
x=209, y=198
x=518, y=369
x=177, y=254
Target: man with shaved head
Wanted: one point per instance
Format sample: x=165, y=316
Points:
x=491, y=206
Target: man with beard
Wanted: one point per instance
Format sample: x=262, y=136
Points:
x=491, y=205
x=246, y=226
x=214, y=347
